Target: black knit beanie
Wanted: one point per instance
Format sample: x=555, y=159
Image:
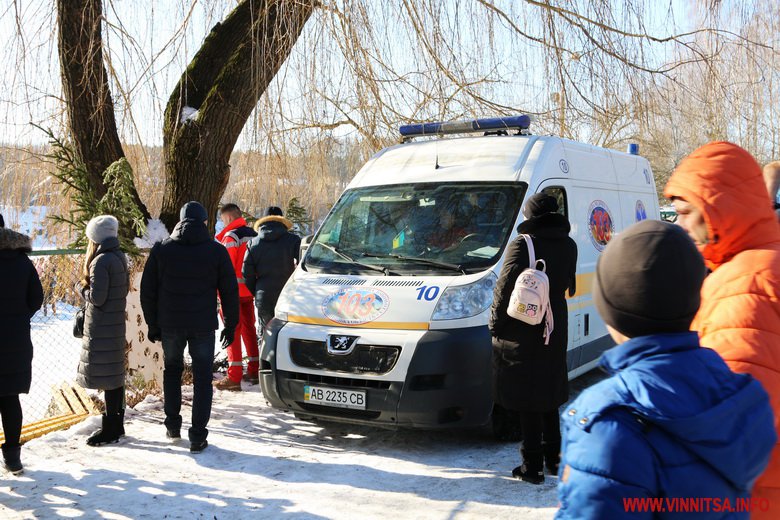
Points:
x=193, y=210
x=2, y=222
x=539, y=204
x=273, y=211
x=648, y=280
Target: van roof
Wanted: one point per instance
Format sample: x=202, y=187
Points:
x=510, y=158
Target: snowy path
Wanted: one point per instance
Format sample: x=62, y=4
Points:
x=262, y=463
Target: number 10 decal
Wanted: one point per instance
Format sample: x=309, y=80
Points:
x=429, y=293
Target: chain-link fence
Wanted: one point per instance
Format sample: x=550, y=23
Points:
x=55, y=400
x=56, y=352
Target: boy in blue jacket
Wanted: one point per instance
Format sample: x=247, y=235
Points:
x=672, y=424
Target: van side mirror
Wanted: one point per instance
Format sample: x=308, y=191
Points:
x=305, y=242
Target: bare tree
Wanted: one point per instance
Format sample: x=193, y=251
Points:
x=87, y=95
x=206, y=111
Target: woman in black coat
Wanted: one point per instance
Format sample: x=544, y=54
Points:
x=104, y=289
x=529, y=377
x=21, y=296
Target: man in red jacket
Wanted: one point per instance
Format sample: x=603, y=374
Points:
x=235, y=237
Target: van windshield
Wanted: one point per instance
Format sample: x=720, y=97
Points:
x=417, y=228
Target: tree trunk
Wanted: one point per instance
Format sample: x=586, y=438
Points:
x=85, y=87
x=223, y=82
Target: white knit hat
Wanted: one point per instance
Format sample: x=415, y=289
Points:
x=102, y=227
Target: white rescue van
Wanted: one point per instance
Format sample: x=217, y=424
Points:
x=385, y=319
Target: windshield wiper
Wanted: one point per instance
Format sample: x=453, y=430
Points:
x=345, y=256
x=445, y=265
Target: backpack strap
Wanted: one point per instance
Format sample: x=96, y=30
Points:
x=531, y=252
x=532, y=261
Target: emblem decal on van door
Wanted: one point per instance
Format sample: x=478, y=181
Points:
x=600, y=223
x=639, y=212
x=564, y=165
x=355, y=305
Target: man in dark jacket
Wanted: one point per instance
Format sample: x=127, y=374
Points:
x=269, y=261
x=530, y=377
x=673, y=424
x=179, y=298
x=21, y=296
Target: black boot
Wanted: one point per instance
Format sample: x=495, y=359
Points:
x=531, y=470
x=121, y=422
x=110, y=432
x=12, y=458
x=506, y=425
x=552, y=456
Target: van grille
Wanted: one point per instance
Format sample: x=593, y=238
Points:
x=373, y=359
x=397, y=283
x=343, y=281
x=335, y=381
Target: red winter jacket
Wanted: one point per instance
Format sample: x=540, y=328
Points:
x=235, y=237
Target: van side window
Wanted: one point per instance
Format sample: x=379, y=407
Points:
x=560, y=195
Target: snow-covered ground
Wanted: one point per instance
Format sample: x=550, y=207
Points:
x=263, y=463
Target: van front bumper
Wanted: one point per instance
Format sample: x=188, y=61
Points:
x=447, y=385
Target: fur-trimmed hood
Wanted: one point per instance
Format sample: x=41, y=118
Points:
x=273, y=218
x=10, y=240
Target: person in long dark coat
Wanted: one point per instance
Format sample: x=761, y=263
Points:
x=529, y=377
x=21, y=296
x=270, y=261
x=104, y=289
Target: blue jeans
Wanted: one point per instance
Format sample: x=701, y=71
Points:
x=201, y=345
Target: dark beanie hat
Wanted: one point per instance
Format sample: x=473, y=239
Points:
x=273, y=211
x=193, y=211
x=2, y=222
x=648, y=280
x=539, y=204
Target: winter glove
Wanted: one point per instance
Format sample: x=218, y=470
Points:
x=154, y=334
x=226, y=336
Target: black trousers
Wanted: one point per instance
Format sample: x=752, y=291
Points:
x=538, y=426
x=115, y=400
x=11, y=410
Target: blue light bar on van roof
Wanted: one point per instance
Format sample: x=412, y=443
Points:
x=521, y=122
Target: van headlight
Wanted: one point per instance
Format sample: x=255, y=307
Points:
x=465, y=301
x=282, y=309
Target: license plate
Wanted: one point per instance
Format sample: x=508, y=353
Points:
x=334, y=397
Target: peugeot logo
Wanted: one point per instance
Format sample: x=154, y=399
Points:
x=341, y=345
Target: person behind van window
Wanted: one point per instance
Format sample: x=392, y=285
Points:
x=530, y=377
x=20, y=298
x=672, y=421
x=269, y=261
x=103, y=287
x=447, y=227
x=772, y=181
x=179, y=287
x=235, y=236
x=720, y=196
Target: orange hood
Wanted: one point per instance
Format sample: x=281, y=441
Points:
x=726, y=184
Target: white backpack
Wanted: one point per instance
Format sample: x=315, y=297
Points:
x=530, y=300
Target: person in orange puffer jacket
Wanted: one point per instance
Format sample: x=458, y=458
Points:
x=719, y=194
